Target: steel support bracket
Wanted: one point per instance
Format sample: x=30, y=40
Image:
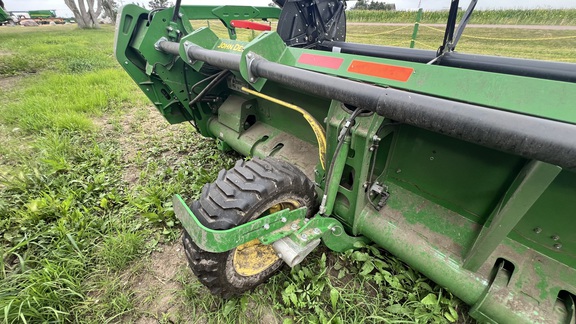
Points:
x=202, y=37
x=267, y=229
x=250, y=57
x=267, y=46
x=330, y=230
x=218, y=241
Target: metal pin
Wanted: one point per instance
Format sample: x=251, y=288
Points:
x=266, y=226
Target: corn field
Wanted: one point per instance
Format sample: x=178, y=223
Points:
x=500, y=17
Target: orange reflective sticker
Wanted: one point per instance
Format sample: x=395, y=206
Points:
x=391, y=72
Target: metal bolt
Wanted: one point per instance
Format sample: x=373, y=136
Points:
x=371, y=148
x=180, y=15
x=266, y=226
x=398, y=171
x=279, y=255
x=365, y=185
x=186, y=43
x=537, y=230
x=304, y=237
x=283, y=219
x=170, y=29
x=317, y=231
x=177, y=31
x=294, y=227
x=126, y=62
x=555, y=237
x=431, y=158
x=557, y=246
x=251, y=79
x=325, y=120
x=306, y=220
x=249, y=55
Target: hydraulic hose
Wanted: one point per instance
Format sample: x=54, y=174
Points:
x=316, y=127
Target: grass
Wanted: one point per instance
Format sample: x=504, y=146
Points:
x=564, y=17
x=87, y=169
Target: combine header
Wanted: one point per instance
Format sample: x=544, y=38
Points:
x=463, y=166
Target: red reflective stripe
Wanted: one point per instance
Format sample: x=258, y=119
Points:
x=249, y=25
x=392, y=72
x=322, y=61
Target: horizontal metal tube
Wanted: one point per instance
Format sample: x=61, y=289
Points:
x=558, y=71
x=223, y=60
x=527, y=136
x=530, y=137
x=168, y=47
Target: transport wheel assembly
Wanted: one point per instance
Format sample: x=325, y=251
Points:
x=251, y=189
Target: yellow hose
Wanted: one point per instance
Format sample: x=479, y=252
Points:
x=316, y=127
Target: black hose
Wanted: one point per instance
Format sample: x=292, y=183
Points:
x=220, y=76
x=176, y=11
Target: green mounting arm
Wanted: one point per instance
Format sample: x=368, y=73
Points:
x=268, y=229
x=228, y=13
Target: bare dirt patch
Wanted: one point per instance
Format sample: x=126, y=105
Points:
x=157, y=288
x=9, y=83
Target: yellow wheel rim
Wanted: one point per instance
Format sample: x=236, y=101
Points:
x=253, y=257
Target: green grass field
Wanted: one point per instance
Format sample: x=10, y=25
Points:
x=87, y=169
x=565, y=17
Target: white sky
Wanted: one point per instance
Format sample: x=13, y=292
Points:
x=63, y=11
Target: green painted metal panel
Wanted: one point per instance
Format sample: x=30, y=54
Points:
x=524, y=95
x=550, y=225
x=464, y=177
x=42, y=14
x=3, y=16
x=224, y=240
x=526, y=189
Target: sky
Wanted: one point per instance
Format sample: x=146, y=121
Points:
x=63, y=11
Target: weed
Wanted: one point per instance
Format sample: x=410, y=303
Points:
x=117, y=250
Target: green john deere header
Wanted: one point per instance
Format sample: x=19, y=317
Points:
x=463, y=166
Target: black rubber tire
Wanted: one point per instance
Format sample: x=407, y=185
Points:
x=239, y=195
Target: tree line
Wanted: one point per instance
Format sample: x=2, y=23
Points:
x=88, y=12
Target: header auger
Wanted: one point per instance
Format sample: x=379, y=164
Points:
x=463, y=166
